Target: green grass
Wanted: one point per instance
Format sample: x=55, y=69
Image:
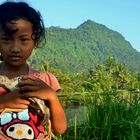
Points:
x=112, y=118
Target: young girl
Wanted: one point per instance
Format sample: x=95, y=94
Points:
x=21, y=30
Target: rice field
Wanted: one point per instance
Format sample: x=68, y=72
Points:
x=109, y=116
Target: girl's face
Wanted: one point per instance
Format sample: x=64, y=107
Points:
x=16, y=48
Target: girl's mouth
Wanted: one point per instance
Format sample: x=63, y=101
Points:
x=15, y=57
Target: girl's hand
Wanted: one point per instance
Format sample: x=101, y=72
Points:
x=34, y=87
x=13, y=100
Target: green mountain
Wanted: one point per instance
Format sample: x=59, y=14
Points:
x=77, y=50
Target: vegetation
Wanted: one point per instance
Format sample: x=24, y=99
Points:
x=109, y=120
x=111, y=95
x=98, y=69
x=77, y=50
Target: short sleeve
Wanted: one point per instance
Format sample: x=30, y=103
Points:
x=52, y=81
x=49, y=79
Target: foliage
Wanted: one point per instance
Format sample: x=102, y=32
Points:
x=77, y=50
x=109, y=120
x=111, y=76
x=112, y=100
x=105, y=85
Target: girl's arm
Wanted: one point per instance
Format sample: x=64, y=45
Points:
x=38, y=88
x=58, y=118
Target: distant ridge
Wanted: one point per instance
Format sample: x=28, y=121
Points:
x=79, y=49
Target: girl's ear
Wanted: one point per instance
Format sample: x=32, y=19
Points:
x=36, y=45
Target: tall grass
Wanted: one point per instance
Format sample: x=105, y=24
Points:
x=108, y=118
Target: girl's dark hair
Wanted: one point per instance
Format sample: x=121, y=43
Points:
x=10, y=11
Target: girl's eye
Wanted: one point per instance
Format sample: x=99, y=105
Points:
x=25, y=39
x=5, y=39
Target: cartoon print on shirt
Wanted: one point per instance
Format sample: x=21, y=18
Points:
x=19, y=125
x=8, y=117
x=20, y=131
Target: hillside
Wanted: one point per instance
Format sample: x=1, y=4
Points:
x=82, y=48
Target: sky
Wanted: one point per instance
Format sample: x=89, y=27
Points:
x=122, y=16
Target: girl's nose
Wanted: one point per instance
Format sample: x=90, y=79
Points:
x=15, y=47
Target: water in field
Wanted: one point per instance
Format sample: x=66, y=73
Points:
x=75, y=114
